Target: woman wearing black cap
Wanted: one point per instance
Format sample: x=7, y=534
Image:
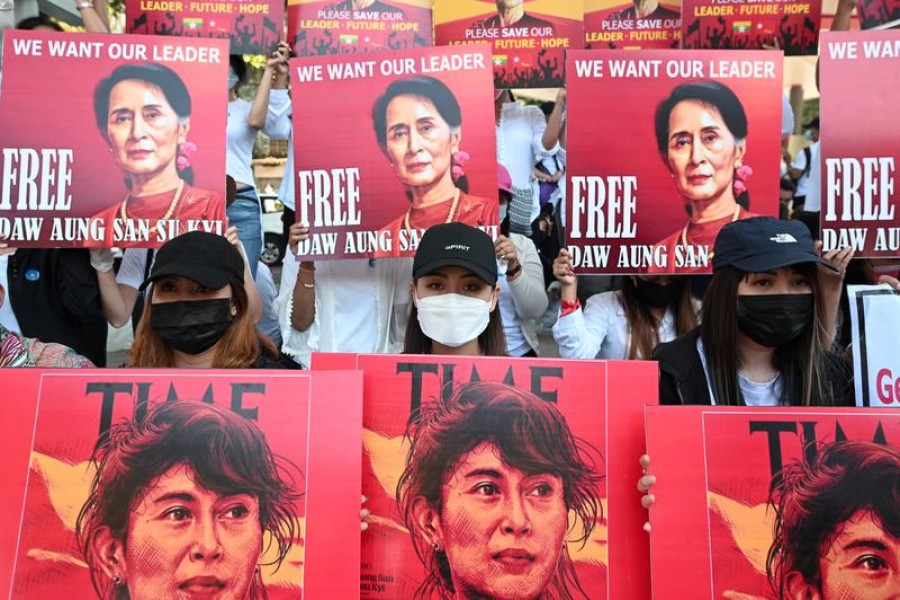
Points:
x=455, y=293
x=764, y=333
x=198, y=316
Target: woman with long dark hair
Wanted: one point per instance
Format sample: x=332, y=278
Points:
x=765, y=332
x=491, y=477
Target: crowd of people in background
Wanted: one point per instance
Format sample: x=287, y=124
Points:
x=763, y=329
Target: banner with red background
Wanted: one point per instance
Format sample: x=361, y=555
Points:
x=878, y=14
x=601, y=403
x=528, y=52
x=860, y=199
x=626, y=211
x=714, y=468
x=252, y=26
x=317, y=27
x=54, y=418
x=791, y=25
x=362, y=199
x=617, y=24
x=126, y=169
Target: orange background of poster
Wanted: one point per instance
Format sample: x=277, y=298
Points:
x=57, y=421
x=458, y=22
x=713, y=479
x=615, y=562
x=325, y=34
x=629, y=37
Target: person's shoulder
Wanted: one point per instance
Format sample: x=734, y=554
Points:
x=678, y=354
x=283, y=362
x=387, y=8
x=664, y=12
x=529, y=20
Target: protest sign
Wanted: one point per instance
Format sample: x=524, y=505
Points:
x=127, y=159
x=529, y=40
x=830, y=475
x=572, y=429
x=618, y=24
x=878, y=14
x=859, y=151
x=409, y=144
x=791, y=25
x=252, y=26
x=638, y=199
x=875, y=320
x=255, y=455
x=317, y=27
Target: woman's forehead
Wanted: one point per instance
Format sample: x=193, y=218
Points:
x=406, y=106
x=129, y=90
x=695, y=111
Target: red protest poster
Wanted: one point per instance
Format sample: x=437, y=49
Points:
x=632, y=26
x=791, y=25
x=670, y=146
x=252, y=26
x=235, y=484
x=529, y=38
x=319, y=27
x=133, y=154
x=878, y=14
x=475, y=463
x=410, y=144
x=860, y=153
x=784, y=503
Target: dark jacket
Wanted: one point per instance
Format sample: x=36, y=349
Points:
x=55, y=296
x=682, y=379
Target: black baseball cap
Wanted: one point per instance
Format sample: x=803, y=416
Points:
x=764, y=244
x=206, y=258
x=456, y=245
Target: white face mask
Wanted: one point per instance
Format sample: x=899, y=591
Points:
x=453, y=319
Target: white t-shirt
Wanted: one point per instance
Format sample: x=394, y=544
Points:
x=755, y=394
x=239, y=136
x=601, y=329
x=814, y=190
x=800, y=163
x=361, y=306
x=520, y=145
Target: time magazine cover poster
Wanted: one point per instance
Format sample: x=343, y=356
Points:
x=774, y=504
x=155, y=484
x=508, y=478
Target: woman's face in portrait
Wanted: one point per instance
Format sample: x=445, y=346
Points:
x=419, y=142
x=502, y=529
x=142, y=128
x=186, y=542
x=702, y=152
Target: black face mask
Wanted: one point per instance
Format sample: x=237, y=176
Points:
x=191, y=326
x=774, y=319
x=655, y=295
